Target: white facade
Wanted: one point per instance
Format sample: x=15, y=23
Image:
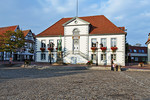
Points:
x=148, y=47
x=76, y=45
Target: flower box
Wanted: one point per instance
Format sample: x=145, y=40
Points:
x=42, y=49
x=59, y=48
x=50, y=49
x=103, y=49
x=93, y=49
x=114, y=48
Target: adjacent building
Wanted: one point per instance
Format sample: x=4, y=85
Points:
x=28, y=52
x=137, y=54
x=148, y=48
x=6, y=55
x=82, y=39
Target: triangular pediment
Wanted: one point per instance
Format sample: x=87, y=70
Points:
x=76, y=21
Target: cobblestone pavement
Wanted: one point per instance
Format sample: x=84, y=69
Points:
x=72, y=84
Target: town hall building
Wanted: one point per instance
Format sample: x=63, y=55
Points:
x=82, y=39
x=148, y=48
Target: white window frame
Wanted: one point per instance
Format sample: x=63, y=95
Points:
x=105, y=43
x=114, y=57
x=103, y=58
x=42, y=45
x=43, y=56
x=92, y=43
x=113, y=42
x=51, y=40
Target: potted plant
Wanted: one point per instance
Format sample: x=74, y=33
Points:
x=89, y=62
x=93, y=49
x=103, y=49
x=141, y=64
x=114, y=49
x=60, y=48
x=50, y=49
x=42, y=49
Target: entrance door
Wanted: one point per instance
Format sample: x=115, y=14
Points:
x=73, y=60
x=94, y=58
x=76, y=46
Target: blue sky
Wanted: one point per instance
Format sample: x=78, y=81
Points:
x=38, y=15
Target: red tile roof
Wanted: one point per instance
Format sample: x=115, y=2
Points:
x=25, y=32
x=99, y=25
x=9, y=28
x=122, y=28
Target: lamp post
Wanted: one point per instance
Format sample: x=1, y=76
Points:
x=50, y=57
x=97, y=54
x=49, y=52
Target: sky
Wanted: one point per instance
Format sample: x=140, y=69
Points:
x=38, y=15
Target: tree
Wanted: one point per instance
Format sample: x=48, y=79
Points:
x=12, y=41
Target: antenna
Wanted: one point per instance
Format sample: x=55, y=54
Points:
x=77, y=9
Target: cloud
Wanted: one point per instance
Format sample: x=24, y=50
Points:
x=133, y=14
x=57, y=6
x=40, y=14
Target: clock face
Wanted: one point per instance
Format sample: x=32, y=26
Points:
x=76, y=21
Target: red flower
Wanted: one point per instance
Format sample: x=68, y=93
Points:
x=103, y=48
x=42, y=49
x=59, y=48
x=50, y=48
x=94, y=48
x=114, y=48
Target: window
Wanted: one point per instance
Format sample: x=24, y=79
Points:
x=43, y=43
x=113, y=42
x=136, y=58
x=103, y=42
x=103, y=56
x=76, y=31
x=43, y=56
x=93, y=42
x=142, y=51
x=8, y=55
x=51, y=43
x=130, y=50
x=143, y=59
x=113, y=56
x=134, y=50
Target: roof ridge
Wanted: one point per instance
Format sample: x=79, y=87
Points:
x=51, y=26
x=9, y=26
x=26, y=30
x=85, y=16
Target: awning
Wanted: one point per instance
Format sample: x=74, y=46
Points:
x=26, y=54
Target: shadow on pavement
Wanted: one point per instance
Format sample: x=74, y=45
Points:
x=7, y=73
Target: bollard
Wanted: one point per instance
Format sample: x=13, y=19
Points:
x=119, y=68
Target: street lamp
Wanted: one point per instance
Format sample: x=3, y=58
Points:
x=97, y=54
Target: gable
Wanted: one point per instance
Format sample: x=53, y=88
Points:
x=98, y=25
x=76, y=21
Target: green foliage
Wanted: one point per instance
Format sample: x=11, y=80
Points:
x=89, y=62
x=12, y=41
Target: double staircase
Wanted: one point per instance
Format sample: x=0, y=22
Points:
x=77, y=57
